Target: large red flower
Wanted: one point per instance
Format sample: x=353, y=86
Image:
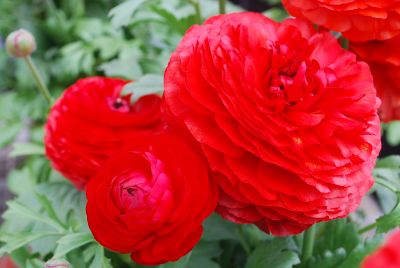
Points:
x=384, y=60
x=286, y=117
x=388, y=256
x=90, y=121
x=358, y=20
x=150, y=199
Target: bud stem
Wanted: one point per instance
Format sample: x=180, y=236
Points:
x=222, y=7
x=38, y=79
x=308, y=244
x=197, y=8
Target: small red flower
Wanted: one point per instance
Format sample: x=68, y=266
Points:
x=150, y=199
x=91, y=121
x=384, y=60
x=358, y=20
x=286, y=118
x=388, y=256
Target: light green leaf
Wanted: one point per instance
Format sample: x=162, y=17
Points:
x=16, y=209
x=20, y=181
x=393, y=133
x=47, y=205
x=121, y=15
x=15, y=241
x=148, y=84
x=95, y=252
x=20, y=149
x=70, y=242
x=8, y=133
x=273, y=254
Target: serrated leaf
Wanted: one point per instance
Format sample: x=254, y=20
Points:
x=95, y=253
x=16, y=209
x=70, y=242
x=47, y=205
x=121, y=15
x=27, y=148
x=273, y=254
x=148, y=84
x=15, y=241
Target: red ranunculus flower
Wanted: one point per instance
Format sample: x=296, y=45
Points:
x=358, y=20
x=286, y=117
x=150, y=200
x=91, y=121
x=379, y=51
x=388, y=256
x=384, y=60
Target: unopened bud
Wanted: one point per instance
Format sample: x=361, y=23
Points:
x=20, y=43
x=57, y=263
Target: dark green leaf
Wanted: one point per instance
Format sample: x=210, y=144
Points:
x=389, y=221
x=275, y=254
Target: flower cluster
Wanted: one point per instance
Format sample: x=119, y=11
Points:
x=268, y=123
x=373, y=28
x=358, y=20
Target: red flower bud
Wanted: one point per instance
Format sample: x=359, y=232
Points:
x=20, y=43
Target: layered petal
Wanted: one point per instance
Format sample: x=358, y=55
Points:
x=286, y=118
x=150, y=199
x=90, y=121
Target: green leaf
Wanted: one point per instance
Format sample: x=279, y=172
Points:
x=20, y=181
x=181, y=263
x=121, y=15
x=273, y=254
x=148, y=84
x=95, y=254
x=8, y=133
x=47, y=205
x=337, y=234
x=20, y=149
x=70, y=242
x=389, y=221
x=216, y=228
x=15, y=241
x=393, y=133
x=17, y=209
x=356, y=256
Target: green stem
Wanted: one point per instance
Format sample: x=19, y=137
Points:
x=368, y=228
x=243, y=241
x=308, y=244
x=38, y=79
x=197, y=8
x=222, y=7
